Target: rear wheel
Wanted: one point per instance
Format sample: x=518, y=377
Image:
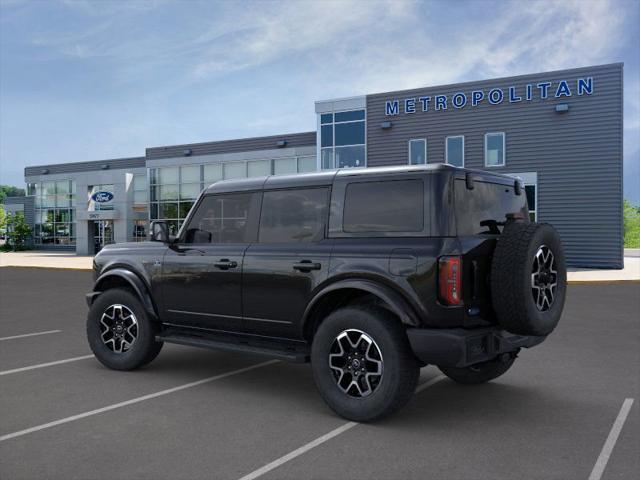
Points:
x=481, y=372
x=119, y=331
x=362, y=363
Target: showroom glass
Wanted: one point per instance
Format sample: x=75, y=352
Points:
x=455, y=151
x=417, y=152
x=531, y=192
x=222, y=219
x=494, y=149
x=54, y=212
x=342, y=139
x=173, y=190
x=293, y=216
x=401, y=211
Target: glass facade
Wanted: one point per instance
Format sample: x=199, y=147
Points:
x=342, y=139
x=173, y=190
x=54, y=212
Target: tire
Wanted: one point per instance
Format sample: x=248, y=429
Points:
x=480, y=373
x=528, y=278
x=121, y=306
x=391, y=370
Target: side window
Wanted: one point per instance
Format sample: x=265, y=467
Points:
x=417, y=151
x=386, y=206
x=225, y=218
x=292, y=216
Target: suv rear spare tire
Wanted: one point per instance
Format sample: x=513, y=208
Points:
x=528, y=278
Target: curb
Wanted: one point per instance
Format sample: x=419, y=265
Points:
x=77, y=269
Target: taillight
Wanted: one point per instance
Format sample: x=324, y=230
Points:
x=450, y=280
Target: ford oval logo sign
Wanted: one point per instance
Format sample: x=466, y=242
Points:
x=102, y=197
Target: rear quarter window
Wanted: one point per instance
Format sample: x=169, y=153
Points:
x=384, y=206
x=487, y=201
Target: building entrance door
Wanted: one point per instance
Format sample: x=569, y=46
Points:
x=102, y=234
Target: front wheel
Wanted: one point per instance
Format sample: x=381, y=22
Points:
x=481, y=372
x=362, y=363
x=119, y=331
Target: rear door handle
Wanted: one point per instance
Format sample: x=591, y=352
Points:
x=225, y=264
x=306, y=266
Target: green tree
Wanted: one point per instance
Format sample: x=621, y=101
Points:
x=3, y=218
x=10, y=191
x=18, y=231
x=631, y=225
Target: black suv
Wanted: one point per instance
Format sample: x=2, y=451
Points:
x=369, y=274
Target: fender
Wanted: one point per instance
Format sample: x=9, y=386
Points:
x=394, y=300
x=141, y=290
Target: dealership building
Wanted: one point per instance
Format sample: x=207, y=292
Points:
x=561, y=132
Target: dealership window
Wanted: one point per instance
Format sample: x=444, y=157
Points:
x=530, y=181
x=401, y=211
x=140, y=230
x=293, y=216
x=224, y=218
x=342, y=139
x=140, y=189
x=54, y=212
x=172, y=192
x=417, y=151
x=532, y=200
x=455, y=151
x=494, y=149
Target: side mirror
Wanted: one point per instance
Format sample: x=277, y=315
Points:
x=159, y=232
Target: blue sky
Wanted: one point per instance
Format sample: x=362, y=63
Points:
x=87, y=80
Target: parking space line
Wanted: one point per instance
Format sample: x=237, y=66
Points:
x=603, y=458
x=320, y=440
x=133, y=400
x=29, y=335
x=43, y=365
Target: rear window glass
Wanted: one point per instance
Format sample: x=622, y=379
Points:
x=293, y=216
x=486, y=202
x=386, y=206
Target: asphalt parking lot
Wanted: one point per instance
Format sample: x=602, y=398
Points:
x=204, y=414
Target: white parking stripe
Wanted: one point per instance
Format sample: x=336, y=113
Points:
x=43, y=365
x=603, y=458
x=132, y=401
x=29, y=335
x=320, y=440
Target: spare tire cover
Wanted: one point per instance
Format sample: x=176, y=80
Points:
x=528, y=278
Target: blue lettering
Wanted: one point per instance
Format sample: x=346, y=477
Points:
x=563, y=89
x=425, y=103
x=476, y=97
x=529, y=92
x=496, y=96
x=410, y=105
x=391, y=107
x=585, y=85
x=512, y=95
x=459, y=100
x=544, y=89
x=441, y=102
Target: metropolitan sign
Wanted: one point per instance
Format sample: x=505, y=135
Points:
x=493, y=96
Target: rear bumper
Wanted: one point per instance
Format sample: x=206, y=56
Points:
x=458, y=347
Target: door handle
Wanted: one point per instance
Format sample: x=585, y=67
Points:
x=306, y=266
x=225, y=264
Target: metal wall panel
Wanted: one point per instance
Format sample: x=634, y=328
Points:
x=96, y=165
x=577, y=155
x=231, y=146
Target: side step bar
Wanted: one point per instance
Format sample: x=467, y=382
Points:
x=289, y=353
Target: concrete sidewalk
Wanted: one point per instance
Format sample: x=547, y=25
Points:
x=46, y=259
x=68, y=260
